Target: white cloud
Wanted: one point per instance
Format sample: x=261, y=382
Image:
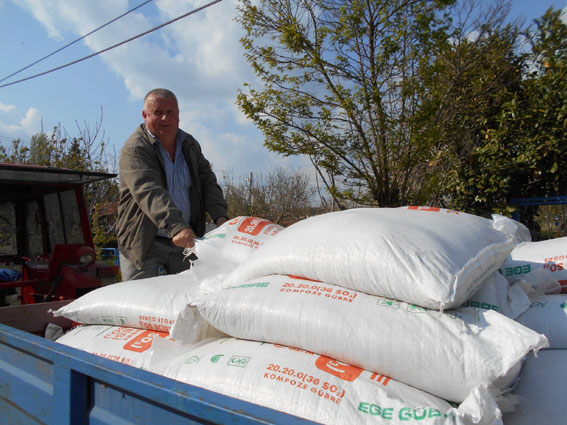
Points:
x=31, y=121
x=198, y=57
x=41, y=11
x=6, y=108
x=27, y=126
x=78, y=16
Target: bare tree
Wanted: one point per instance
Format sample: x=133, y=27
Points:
x=281, y=196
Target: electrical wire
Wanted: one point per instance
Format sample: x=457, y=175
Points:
x=115, y=45
x=75, y=41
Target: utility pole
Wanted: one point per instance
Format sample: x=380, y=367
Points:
x=250, y=187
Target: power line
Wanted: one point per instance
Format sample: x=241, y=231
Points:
x=115, y=45
x=11, y=139
x=75, y=41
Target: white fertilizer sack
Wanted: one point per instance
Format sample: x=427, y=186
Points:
x=152, y=303
x=529, y=259
x=122, y=344
x=541, y=390
x=548, y=315
x=431, y=257
x=222, y=249
x=497, y=294
x=210, y=271
x=445, y=354
x=316, y=387
x=236, y=239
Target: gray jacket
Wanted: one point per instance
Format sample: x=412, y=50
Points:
x=145, y=204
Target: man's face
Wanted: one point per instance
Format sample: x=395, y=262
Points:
x=162, y=117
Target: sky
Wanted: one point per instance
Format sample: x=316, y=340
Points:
x=198, y=57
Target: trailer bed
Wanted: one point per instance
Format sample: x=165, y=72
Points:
x=43, y=382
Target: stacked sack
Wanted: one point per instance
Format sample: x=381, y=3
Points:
x=131, y=346
x=312, y=386
x=352, y=317
x=120, y=321
x=222, y=249
x=430, y=257
x=542, y=266
x=380, y=290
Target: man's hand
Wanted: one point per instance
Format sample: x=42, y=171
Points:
x=184, y=238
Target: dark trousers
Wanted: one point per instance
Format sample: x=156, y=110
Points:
x=163, y=258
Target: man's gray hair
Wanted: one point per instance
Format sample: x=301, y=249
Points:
x=161, y=93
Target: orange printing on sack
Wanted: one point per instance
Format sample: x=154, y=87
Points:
x=553, y=266
x=432, y=209
x=117, y=358
x=253, y=225
x=341, y=370
x=557, y=263
x=320, y=291
x=307, y=382
x=302, y=278
x=383, y=379
x=243, y=240
x=143, y=341
x=121, y=333
x=162, y=324
x=555, y=258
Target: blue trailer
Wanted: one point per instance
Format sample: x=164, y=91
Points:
x=43, y=382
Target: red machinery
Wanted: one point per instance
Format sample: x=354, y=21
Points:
x=45, y=231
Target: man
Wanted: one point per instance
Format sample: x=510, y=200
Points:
x=166, y=188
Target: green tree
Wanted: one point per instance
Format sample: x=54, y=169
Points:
x=522, y=139
x=340, y=84
x=467, y=88
x=538, y=119
x=104, y=225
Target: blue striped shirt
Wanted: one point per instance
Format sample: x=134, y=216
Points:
x=178, y=177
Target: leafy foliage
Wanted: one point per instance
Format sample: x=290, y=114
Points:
x=340, y=85
x=524, y=139
x=407, y=101
x=468, y=86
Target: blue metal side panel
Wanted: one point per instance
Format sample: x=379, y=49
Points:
x=42, y=382
x=548, y=200
x=26, y=381
x=9, y=414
